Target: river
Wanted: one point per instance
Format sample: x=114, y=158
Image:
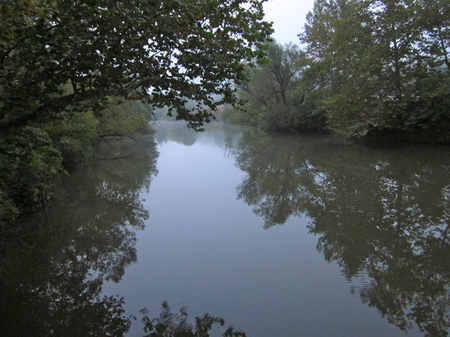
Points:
x=306, y=235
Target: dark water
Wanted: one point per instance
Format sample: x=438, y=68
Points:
x=278, y=235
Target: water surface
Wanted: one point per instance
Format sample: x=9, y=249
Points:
x=279, y=235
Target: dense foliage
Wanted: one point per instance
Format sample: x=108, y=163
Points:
x=369, y=66
x=380, y=64
x=66, y=68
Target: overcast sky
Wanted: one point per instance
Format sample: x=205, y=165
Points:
x=288, y=18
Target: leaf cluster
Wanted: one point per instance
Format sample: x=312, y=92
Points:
x=169, y=324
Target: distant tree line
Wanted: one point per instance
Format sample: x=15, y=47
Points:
x=368, y=67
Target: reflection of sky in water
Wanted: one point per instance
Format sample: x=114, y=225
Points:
x=205, y=249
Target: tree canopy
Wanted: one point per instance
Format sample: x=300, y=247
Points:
x=67, y=66
x=160, y=51
x=380, y=64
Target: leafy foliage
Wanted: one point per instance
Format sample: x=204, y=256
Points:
x=28, y=165
x=70, y=69
x=375, y=65
x=123, y=118
x=169, y=324
x=162, y=51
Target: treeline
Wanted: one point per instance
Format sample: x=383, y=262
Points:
x=369, y=67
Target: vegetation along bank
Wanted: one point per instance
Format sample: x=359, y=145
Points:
x=70, y=71
x=367, y=68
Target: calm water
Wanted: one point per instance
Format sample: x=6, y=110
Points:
x=278, y=235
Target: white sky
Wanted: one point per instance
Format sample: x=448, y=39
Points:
x=288, y=18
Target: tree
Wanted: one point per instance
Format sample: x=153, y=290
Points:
x=380, y=65
x=272, y=95
x=342, y=65
x=60, y=60
x=435, y=16
x=162, y=51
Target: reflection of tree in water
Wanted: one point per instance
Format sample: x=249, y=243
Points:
x=383, y=213
x=278, y=175
x=53, y=265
